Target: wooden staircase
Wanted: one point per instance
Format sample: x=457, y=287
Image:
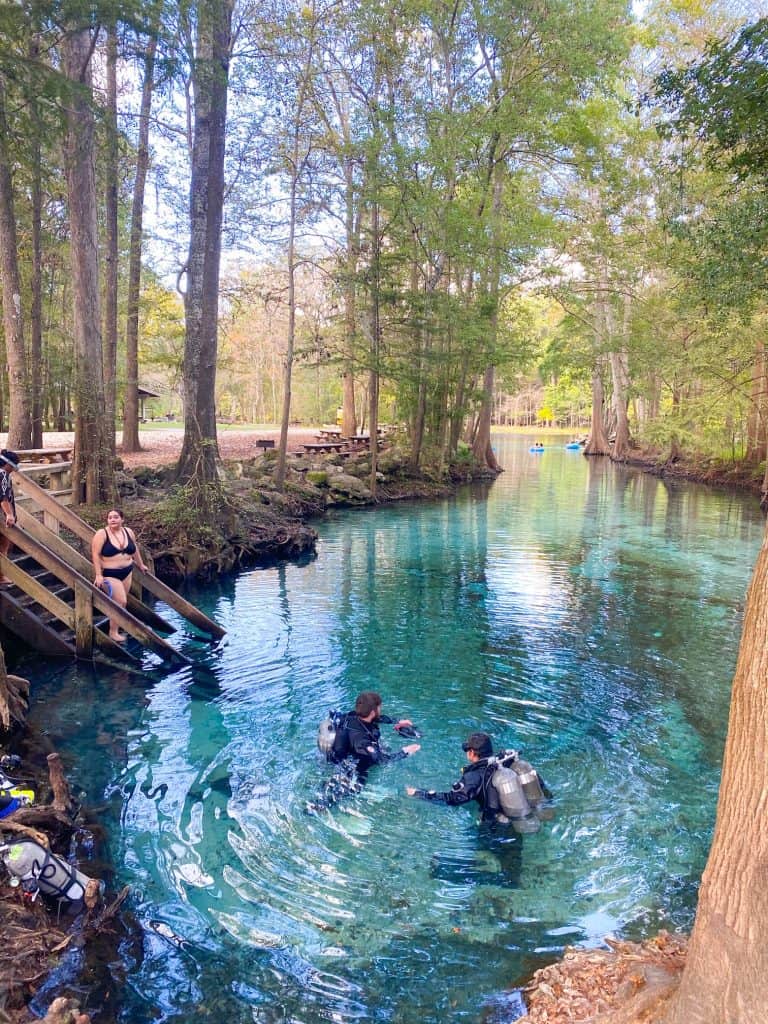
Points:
x=54, y=606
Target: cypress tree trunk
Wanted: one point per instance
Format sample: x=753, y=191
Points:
x=199, y=455
x=93, y=469
x=131, y=399
x=726, y=972
x=36, y=311
x=20, y=419
x=110, y=205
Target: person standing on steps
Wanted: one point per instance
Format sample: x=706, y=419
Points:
x=114, y=553
x=9, y=463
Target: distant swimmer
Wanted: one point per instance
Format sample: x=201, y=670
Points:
x=507, y=788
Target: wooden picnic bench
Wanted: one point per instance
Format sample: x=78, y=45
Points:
x=326, y=446
x=328, y=433
x=63, y=454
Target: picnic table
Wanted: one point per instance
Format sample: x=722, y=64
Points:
x=328, y=433
x=62, y=454
x=326, y=446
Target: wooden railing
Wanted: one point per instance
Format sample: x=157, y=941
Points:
x=46, y=536
x=79, y=616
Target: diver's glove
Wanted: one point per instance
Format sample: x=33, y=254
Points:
x=408, y=730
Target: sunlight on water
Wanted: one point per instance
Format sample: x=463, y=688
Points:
x=587, y=614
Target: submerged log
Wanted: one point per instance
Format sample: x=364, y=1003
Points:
x=62, y=798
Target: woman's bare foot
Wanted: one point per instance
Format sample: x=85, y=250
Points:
x=119, y=638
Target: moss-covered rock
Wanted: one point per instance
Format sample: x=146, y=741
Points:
x=346, y=489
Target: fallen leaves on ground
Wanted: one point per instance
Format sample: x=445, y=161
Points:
x=622, y=983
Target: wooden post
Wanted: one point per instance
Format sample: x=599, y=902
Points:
x=62, y=799
x=83, y=621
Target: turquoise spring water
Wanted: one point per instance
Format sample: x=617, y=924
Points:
x=587, y=614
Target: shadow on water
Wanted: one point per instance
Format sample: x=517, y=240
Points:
x=584, y=613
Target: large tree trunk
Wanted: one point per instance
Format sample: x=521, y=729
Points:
x=598, y=442
x=93, y=469
x=20, y=414
x=619, y=379
x=110, y=208
x=756, y=421
x=348, y=417
x=199, y=455
x=36, y=309
x=481, y=448
x=726, y=973
x=131, y=398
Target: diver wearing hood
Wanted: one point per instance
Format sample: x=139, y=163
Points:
x=358, y=737
x=475, y=781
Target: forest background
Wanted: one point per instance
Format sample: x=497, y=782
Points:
x=438, y=215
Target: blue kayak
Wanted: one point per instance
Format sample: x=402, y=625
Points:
x=573, y=446
x=536, y=448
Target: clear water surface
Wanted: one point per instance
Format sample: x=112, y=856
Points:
x=587, y=614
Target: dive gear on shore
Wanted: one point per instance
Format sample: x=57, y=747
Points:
x=39, y=869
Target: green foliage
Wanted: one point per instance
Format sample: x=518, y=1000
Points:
x=185, y=511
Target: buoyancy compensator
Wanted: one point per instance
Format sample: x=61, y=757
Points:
x=38, y=868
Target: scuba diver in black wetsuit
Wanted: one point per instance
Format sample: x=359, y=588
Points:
x=507, y=788
x=509, y=791
x=475, y=781
x=353, y=743
x=359, y=736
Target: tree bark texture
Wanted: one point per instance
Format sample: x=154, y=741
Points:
x=36, y=310
x=93, y=468
x=619, y=381
x=110, y=208
x=131, y=398
x=598, y=442
x=20, y=413
x=726, y=975
x=757, y=421
x=199, y=455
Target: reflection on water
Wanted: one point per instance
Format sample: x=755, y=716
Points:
x=587, y=614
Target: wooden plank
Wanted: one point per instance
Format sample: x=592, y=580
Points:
x=38, y=592
x=81, y=529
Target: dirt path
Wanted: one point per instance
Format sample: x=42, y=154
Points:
x=161, y=447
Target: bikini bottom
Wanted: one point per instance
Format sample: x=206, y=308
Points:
x=120, y=572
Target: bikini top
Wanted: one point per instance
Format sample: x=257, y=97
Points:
x=108, y=549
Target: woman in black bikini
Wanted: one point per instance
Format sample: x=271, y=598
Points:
x=114, y=551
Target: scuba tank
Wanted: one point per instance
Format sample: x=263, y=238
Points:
x=10, y=791
x=326, y=733
x=529, y=780
x=30, y=862
x=508, y=783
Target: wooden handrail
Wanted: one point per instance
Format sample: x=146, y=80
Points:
x=81, y=529
x=73, y=579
